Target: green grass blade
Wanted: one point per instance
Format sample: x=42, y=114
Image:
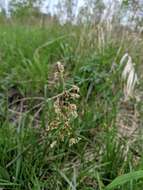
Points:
x=124, y=179
x=7, y=183
x=36, y=53
x=67, y=180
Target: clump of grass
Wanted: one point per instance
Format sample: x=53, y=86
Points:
x=51, y=135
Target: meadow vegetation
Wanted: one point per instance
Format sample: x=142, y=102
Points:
x=71, y=107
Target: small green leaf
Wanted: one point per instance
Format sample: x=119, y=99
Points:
x=4, y=173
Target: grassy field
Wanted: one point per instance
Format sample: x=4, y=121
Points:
x=70, y=108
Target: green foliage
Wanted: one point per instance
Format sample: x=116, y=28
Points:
x=27, y=161
x=124, y=179
x=25, y=9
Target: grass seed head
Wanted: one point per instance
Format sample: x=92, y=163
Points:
x=129, y=76
x=65, y=109
x=60, y=67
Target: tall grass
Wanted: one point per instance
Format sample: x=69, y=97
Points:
x=34, y=157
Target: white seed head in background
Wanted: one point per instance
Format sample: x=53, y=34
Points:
x=129, y=76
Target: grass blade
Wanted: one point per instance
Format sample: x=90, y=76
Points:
x=124, y=179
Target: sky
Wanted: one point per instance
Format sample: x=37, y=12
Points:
x=50, y=3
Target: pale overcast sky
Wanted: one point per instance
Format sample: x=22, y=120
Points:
x=51, y=4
